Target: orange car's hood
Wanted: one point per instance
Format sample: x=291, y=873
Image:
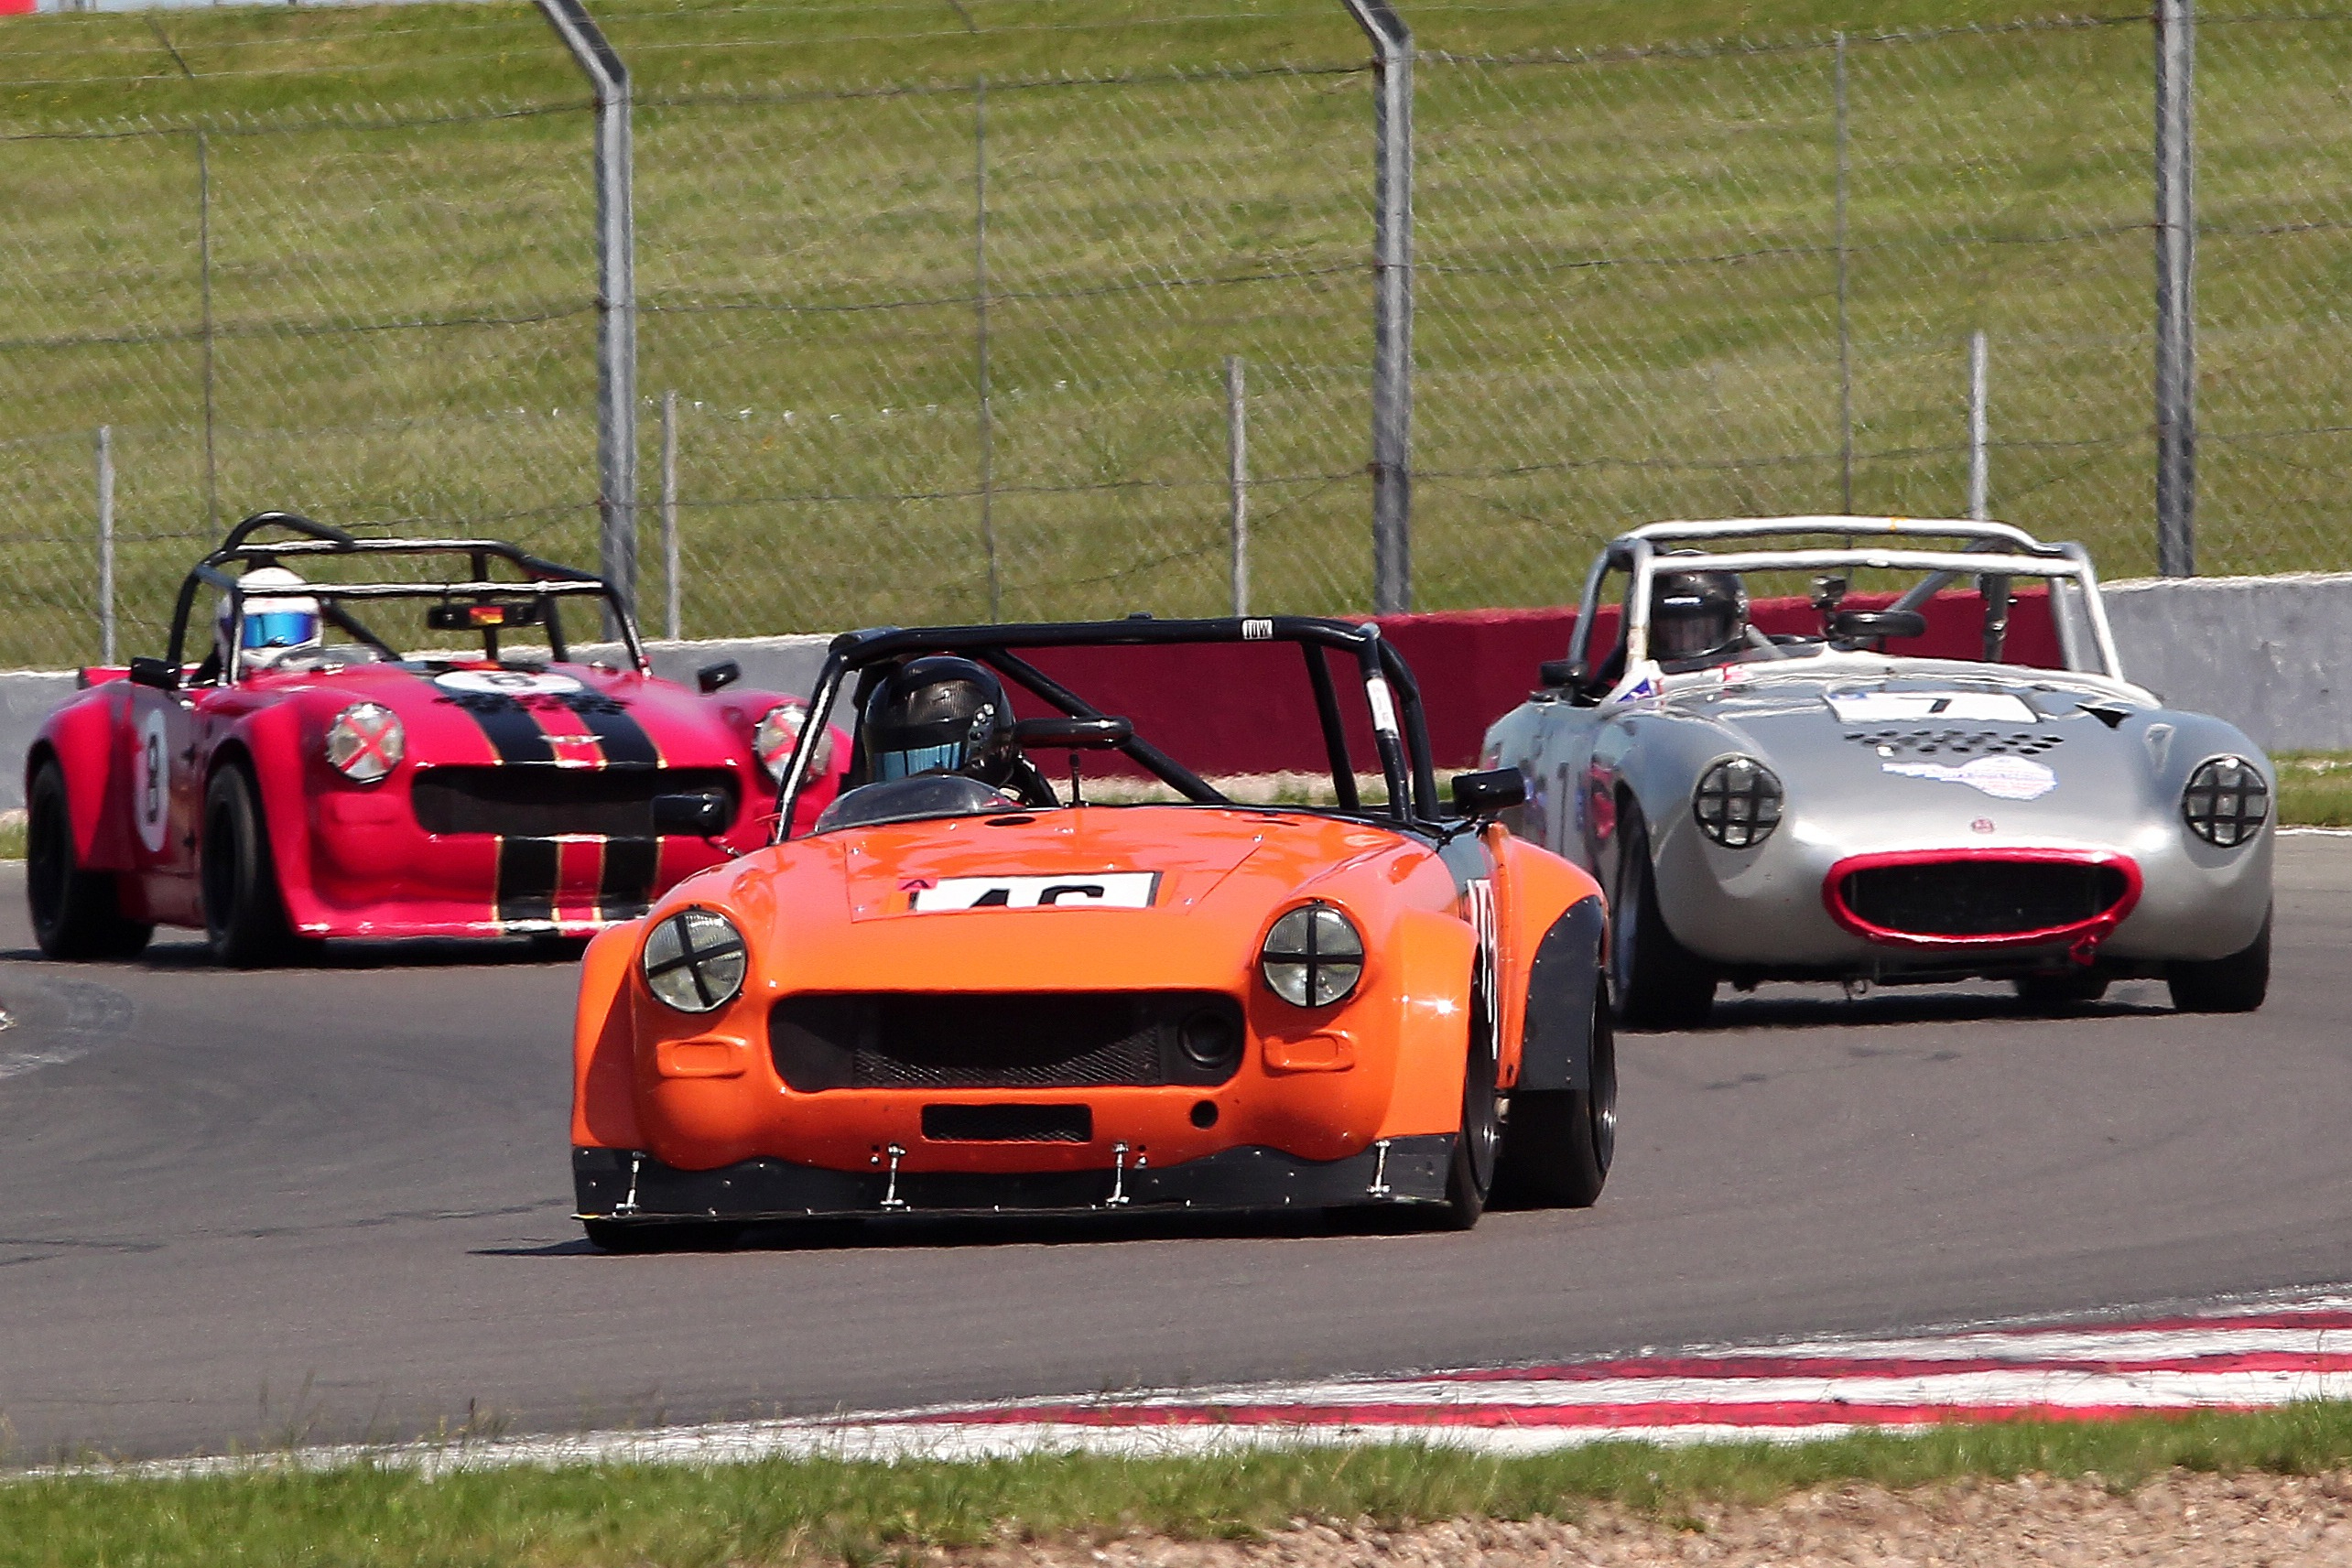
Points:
x=840, y=910
x=1102, y=855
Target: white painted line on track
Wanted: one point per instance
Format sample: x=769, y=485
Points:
x=2240, y=1356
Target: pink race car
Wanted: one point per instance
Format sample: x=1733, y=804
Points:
x=304, y=778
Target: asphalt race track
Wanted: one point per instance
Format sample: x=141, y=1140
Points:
x=333, y=1204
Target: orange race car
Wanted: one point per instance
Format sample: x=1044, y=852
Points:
x=968, y=988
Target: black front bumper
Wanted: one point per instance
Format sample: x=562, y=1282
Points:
x=630, y=1186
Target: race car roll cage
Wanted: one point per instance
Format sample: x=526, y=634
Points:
x=542, y=581
x=1400, y=733
x=1996, y=553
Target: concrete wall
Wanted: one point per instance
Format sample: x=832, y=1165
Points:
x=2261, y=652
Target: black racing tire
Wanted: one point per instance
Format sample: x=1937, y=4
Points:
x=244, y=917
x=637, y=1237
x=75, y=914
x=1557, y=1145
x=2236, y=984
x=2055, y=993
x=1658, y=982
x=1469, y=1174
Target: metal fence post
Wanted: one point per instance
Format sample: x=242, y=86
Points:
x=616, y=300
x=1392, y=307
x=669, y=514
x=1980, y=458
x=204, y=290
x=980, y=306
x=2176, y=429
x=105, y=544
x=1844, y=330
x=1236, y=479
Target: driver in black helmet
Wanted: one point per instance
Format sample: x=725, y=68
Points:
x=939, y=715
x=1698, y=617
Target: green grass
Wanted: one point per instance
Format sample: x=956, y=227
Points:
x=12, y=835
x=1159, y=198
x=2315, y=788
x=859, y=1513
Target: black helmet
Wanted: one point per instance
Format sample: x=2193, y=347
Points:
x=1696, y=615
x=938, y=714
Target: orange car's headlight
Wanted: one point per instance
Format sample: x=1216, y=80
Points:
x=694, y=960
x=1312, y=956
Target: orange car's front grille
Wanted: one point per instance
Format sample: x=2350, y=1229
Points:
x=1028, y=1040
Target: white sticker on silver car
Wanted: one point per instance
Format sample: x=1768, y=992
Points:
x=2003, y=778
x=1903, y=706
x=1102, y=889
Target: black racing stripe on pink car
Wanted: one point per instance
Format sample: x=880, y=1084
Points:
x=625, y=742
x=528, y=870
x=512, y=733
x=626, y=887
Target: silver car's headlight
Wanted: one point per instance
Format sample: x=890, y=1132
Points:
x=1738, y=803
x=695, y=959
x=2226, y=802
x=1312, y=956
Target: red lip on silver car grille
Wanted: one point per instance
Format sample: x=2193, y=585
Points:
x=1983, y=898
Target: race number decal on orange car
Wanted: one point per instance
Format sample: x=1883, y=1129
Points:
x=1105, y=890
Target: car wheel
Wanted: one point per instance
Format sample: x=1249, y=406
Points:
x=74, y=912
x=643, y=1235
x=1658, y=982
x=1557, y=1145
x=1470, y=1177
x=2055, y=992
x=244, y=919
x=2235, y=984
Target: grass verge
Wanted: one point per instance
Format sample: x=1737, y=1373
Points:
x=12, y=835
x=800, y=1511
x=2315, y=788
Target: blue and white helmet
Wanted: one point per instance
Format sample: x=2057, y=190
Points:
x=276, y=623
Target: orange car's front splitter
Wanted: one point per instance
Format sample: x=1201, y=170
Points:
x=631, y=1184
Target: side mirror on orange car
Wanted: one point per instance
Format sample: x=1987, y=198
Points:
x=702, y=815
x=156, y=673
x=1489, y=791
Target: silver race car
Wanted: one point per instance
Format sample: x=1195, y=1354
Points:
x=1810, y=803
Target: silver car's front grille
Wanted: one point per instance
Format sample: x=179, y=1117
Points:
x=1955, y=742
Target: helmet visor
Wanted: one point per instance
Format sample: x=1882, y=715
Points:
x=913, y=759
x=280, y=627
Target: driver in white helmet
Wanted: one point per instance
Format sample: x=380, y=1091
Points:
x=279, y=620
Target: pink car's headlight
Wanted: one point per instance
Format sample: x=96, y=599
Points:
x=366, y=741
x=779, y=733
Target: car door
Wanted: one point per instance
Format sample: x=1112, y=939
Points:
x=166, y=790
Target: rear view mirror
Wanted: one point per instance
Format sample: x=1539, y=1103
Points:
x=712, y=678
x=1554, y=674
x=1853, y=625
x=487, y=613
x=702, y=815
x=156, y=673
x=1489, y=791
x=1074, y=734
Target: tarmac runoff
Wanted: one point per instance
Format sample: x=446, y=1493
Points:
x=2221, y=1356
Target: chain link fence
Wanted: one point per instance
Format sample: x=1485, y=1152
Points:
x=945, y=348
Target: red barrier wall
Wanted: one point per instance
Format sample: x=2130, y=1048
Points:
x=1473, y=666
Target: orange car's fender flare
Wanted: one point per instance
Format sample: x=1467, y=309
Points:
x=605, y=1045
x=1436, y=956
x=1553, y=927
x=1563, y=996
